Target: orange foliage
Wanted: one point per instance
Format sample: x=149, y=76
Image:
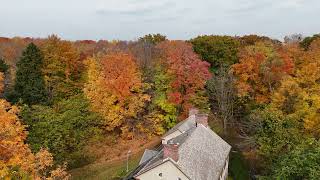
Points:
x=60, y=57
x=260, y=70
x=115, y=90
x=122, y=77
x=13, y=150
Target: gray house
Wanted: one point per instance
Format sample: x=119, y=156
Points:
x=189, y=151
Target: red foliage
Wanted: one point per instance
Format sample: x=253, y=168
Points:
x=4, y=39
x=87, y=41
x=189, y=71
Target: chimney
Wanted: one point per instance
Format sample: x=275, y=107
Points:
x=193, y=112
x=202, y=119
x=171, y=150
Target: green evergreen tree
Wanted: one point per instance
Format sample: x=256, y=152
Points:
x=30, y=86
x=3, y=66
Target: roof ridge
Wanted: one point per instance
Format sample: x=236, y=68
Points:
x=203, y=146
x=185, y=134
x=176, y=127
x=214, y=134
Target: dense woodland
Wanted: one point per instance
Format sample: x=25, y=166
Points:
x=59, y=97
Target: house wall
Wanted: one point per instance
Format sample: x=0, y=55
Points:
x=169, y=172
x=170, y=136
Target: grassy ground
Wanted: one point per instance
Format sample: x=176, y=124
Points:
x=111, y=164
x=106, y=171
x=238, y=170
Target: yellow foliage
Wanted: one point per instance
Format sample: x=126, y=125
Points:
x=152, y=124
x=43, y=160
x=115, y=89
x=59, y=173
x=14, y=153
x=102, y=101
x=299, y=95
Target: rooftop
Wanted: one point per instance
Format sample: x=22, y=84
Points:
x=202, y=154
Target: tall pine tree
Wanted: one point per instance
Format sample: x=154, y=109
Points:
x=30, y=85
x=3, y=66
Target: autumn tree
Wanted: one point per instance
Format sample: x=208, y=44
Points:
x=65, y=128
x=161, y=110
x=293, y=38
x=29, y=84
x=3, y=66
x=144, y=53
x=307, y=41
x=13, y=151
x=189, y=75
x=86, y=48
x=153, y=38
x=250, y=40
x=222, y=96
x=115, y=90
x=272, y=134
x=221, y=52
x=60, y=68
x=302, y=162
x=3, y=72
x=11, y=51
x=260, y=70
x=217, y=50
x=16, y=158
x=298, y=95
x=284, y=150
x=284, y=134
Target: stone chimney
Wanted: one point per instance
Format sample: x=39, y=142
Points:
x=193, y=112
x=171, y=150
x=202, y=119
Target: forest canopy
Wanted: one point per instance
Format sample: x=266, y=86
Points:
x=60, y=97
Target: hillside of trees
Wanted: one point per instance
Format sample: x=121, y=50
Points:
x=60, y=99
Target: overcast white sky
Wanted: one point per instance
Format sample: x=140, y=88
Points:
x=178, y=19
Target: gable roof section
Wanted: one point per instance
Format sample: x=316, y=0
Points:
x=182, y=137
x=202, y=154
x=155, y=161
x=152, y=162
x=182, y=126
x=147, y=155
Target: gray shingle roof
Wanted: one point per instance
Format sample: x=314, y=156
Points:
x=147, y=155
x=202, y=154
x=155, y=161
x=182, y=126
x=183, y=137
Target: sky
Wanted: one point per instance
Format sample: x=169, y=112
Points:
x=177, y=19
